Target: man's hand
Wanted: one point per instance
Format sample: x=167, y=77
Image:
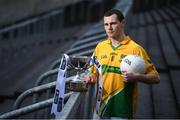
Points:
x=90, y=79
x=130, y=77
x=146, y=78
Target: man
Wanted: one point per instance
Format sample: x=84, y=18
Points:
x=119, y=96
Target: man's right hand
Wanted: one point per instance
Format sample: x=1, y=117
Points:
x=91, y=79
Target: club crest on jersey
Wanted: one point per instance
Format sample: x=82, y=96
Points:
x=122, y=56
x=113, y=54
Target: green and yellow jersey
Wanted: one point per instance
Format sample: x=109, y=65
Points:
x=118, y=98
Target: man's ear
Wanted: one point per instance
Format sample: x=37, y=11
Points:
x=123, y=21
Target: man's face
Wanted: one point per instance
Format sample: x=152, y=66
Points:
x=113, y=27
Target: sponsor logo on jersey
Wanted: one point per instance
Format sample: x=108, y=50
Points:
x=104, y=56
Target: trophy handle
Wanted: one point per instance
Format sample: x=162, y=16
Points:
x=71, y=65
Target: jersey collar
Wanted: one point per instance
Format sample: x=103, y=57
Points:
x=123, y=42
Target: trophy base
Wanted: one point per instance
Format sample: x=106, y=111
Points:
x=77, y=86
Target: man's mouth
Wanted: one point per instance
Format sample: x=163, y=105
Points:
x=111, y=32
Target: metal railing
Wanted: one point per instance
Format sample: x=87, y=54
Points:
x=37, y=89
x=31, y=108
x=79, y=105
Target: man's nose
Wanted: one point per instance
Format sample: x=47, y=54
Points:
x=110, y=27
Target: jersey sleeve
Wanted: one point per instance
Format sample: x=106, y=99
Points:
x=150, y=66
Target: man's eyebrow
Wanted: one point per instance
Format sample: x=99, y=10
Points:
x=110, y=23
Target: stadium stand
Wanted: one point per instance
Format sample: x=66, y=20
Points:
x=153, y=24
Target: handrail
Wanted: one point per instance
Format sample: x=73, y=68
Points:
x=31, y=91
x=84, y=47
x=31, y=108
x=76, y=106
x=34, y=90
x=46, y=75
x=89, y=39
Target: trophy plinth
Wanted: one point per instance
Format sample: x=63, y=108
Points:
x=78, y=86
x=79, y=64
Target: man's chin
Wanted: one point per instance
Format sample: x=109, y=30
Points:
x=111, y=36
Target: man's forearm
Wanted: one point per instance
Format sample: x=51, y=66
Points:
x=149, y=78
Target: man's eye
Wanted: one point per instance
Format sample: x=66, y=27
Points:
x=113, y=23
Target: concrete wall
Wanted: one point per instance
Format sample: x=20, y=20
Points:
x=145, y=5
x=14, y=10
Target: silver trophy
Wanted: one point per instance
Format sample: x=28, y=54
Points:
x=79, y=64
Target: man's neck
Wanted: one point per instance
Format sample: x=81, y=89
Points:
x=116, y=42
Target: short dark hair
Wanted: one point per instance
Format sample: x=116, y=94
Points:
x=119, y=14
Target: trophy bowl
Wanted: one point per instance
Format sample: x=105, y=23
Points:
x=79, y=64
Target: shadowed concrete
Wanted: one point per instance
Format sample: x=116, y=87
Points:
x=158, y=32
x=14, y=10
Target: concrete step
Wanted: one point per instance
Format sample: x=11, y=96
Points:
x=175, y=34
x=154, y=48
x=145, y=103
x=170, y=53
x=157, y=32
x=163, y=99
x=176, y=82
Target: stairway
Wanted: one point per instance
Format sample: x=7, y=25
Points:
x=158, y=32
